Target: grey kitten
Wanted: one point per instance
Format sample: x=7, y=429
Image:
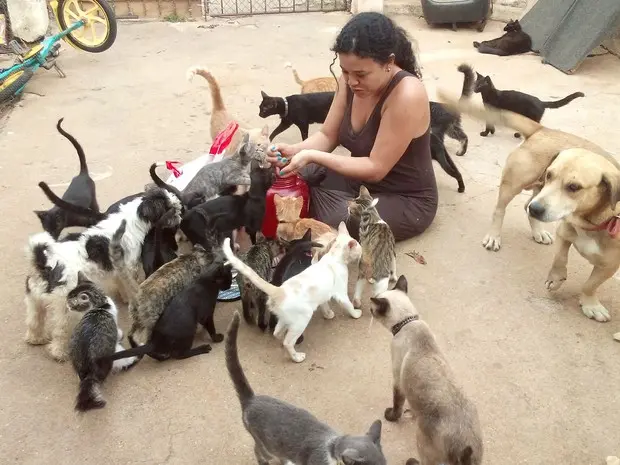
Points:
x=95, y=336
x=378, y=263
x=290, y=434
x=260, y=258
x=215, y=177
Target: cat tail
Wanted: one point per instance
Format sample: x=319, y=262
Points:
x=138, y=351
x=490, y=114
x=76, y=144
x=469, y=79
x=248, y=272
x=298, y=80
x=89, y=397
x=159, y=182
x=242, y=386
x=70, y=207
x=565, y=101
x=216, y=94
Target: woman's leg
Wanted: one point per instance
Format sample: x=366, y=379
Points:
x=406, y=216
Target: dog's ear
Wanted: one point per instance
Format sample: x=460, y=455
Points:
x=381, y=305
x=611, y=181
x=374, y=433
x=541, y=179
x=401, y=284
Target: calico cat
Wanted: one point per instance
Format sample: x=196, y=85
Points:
x=518, y=102
x=302, y=110
x=513, y=42
x=378, y=263
x=295, y=301
x=95, y=337
x=81, y=191
x=290, y=225
x=220, y=118
x=448, y=429
x=289, y=434
x=322, y=84
x=260, y=258
x=173, y=334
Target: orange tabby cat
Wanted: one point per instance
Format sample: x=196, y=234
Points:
x=323, y=84
x=220, y=118
x=291, y=226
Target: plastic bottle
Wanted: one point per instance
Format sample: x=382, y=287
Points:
x=293, y=186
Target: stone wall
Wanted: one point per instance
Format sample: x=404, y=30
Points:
x=503, y=10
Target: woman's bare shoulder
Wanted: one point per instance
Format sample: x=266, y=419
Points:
x=409, y=91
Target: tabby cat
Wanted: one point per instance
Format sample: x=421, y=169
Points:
x=322, y=84
x=378, y=263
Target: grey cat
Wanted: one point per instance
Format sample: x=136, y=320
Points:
x=293, y=435
x=378, y=263
x=260, y=258
x=95, y=336
x=215, y=177
x=448, y=429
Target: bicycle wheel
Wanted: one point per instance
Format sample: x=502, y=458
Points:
x=99, y=32
x=13, y=83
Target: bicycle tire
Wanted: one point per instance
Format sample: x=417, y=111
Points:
x=111, y=33
x=10, y=91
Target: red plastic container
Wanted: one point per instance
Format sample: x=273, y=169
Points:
x=293, y=186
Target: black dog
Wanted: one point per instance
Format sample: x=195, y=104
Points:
x=518, y=102
x=302, y=110
x=297, y=258
x=173, y=334
x=81, y=191
x=514, y=42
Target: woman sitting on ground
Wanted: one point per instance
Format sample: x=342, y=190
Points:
x=381, y=114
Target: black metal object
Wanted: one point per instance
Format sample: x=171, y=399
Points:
x=457, y=11
x=564, y=32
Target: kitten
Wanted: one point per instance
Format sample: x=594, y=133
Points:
x=81, y=191
x=302, y=110
x=289, y=434
x=448, y=429
x=95, y=337
x=260, y=258
x=297, y=298
x=220, y=118
x=322, y=84
x=290, y=225
x=173, y=334
x=518, y=102
x=378, y=263
x=514, y=42
x=254, y=211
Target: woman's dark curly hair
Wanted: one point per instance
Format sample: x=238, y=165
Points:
x=373, y=35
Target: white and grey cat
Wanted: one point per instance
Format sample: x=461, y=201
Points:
x=292, y=435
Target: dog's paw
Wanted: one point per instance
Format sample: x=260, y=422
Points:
x=596, y=312
x=298, y=357
x=355, y=313
x=617, y=337
x=390, y=414
x=34, y=340
x=555, y=279
x=491, y=242
x=58, y=352
x=543, y=237
x=217, y=337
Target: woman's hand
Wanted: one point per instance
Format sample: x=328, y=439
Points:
x=301, y=159
x=280, y=154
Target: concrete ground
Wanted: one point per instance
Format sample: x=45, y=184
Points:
x=544, y=377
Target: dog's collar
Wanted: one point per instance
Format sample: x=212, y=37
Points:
x=401, y=324
x=612, y=226
x=285, y=108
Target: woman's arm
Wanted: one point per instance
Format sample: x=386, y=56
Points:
x=406, y=115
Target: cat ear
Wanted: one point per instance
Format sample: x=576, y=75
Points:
x=380, y=304
x=364, y=190
x=308, y=235
x=342, y=228
x=318, y=245
x=42, y=214
x=374, y=202
x=277, y=199
x=374, y=433
x=352, y=243
x=81, y=278
x=265, y=131
x=401, y=284
x=299, y=203
x=263, y=94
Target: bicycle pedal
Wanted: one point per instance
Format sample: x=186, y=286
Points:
x=17, y=48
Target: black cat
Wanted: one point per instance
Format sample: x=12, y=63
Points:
x=518, y=102
x=81, y=191
x=514, y=42
x=302, y=110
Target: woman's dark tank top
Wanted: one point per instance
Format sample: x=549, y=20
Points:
x=413, y=174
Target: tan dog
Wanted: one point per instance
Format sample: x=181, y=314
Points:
x=322, y=84
x=448, y=429
x=220, y=118
x=582, y=191
x=525, y=165
x=290, y=225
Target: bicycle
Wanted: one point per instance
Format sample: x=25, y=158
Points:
x=92, y=29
